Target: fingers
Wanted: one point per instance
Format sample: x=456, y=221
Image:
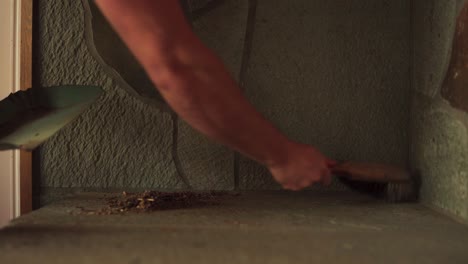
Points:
x=297, y=187
x=302, y=177
x=324, y=177
x=300, y=184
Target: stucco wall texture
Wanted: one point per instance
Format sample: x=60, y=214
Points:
x=335, y=74
x=439, y=136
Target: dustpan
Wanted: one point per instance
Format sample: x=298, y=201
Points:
x=28, y=118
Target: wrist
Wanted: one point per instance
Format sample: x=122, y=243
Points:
x=279, y=153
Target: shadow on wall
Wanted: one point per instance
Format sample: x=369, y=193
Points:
x=116, y=55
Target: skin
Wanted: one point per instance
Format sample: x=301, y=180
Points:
x=196, y=84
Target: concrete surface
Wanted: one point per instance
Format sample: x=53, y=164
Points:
x=308, y=227
x=329, y=73
x=439, y=136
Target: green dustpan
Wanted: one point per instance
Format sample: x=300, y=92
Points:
x=28, y=118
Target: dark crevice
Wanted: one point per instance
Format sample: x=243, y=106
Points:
x=36, y=179
x=411, y=84
x=36, y=82
x=175, y=153
x=248, y=41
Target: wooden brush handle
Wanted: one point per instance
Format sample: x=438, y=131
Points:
x=370, y=172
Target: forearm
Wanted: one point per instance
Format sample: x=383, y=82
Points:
x=207, y=97
x=192, y=79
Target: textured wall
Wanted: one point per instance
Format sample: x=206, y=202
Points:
x=120, y=141
x=330, y=73
x=334, y=74
x=439, y=135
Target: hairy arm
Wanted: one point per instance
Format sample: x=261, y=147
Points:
x=193, y=80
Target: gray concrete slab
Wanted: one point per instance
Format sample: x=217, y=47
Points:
x=273, y=227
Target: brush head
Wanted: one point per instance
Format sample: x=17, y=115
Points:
x=395, y=192
x=391, y=183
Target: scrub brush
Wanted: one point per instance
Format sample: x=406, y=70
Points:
x=382, y=181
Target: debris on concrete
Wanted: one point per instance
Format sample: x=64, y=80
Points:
x=150, y=201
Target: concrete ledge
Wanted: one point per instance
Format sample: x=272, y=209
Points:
x=268, y=227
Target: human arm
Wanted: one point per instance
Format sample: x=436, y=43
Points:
x=196, y=84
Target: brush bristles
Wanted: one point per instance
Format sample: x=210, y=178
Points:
x=400, y=192
x=395, y=192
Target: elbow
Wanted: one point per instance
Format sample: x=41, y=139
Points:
x=167, y=73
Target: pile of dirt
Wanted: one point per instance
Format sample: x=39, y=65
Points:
x=150, y=201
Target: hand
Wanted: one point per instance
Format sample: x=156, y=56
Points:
x=302, y=167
